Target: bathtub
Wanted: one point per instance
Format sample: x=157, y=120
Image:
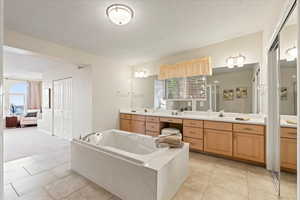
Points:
x=130, y=165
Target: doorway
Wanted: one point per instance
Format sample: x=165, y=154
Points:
x=62, y=108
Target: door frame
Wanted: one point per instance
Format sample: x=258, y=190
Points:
x=53, y=103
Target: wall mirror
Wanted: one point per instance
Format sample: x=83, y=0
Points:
x=228, y=89
x=287, y=98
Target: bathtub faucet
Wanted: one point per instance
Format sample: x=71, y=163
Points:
x=86, y=137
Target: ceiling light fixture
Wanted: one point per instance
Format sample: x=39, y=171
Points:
x=291, y=53
x=119, y=14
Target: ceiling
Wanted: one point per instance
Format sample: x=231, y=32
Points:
x=22, y=64
x=159, y=28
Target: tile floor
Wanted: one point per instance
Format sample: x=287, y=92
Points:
x=48, y=177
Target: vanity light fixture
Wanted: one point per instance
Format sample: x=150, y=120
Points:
x=291, y=53
x=237, y=60
x=240, y=60
x=119, y=14
x=230, y=62
x=141, y=74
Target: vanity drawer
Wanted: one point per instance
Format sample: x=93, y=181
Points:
x=195, y=144
x=138, y=117
x=125, y=116
x=152, y=126
x=289, y=133
x=152, y=119
x=171, y=120
x=223, y=126
x=193, y=123
x=152, y=133
x=193, y=132
x=247, y=128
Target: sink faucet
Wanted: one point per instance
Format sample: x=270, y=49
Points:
x=221, y=113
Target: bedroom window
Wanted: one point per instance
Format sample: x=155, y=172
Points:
x=17, y=98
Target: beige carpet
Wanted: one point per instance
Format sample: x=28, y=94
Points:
x=24, y=142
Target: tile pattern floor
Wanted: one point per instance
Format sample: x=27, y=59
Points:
x=48, y=177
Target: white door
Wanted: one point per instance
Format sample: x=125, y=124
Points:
x=62, y=108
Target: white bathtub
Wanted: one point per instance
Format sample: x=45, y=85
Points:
x=130, y=165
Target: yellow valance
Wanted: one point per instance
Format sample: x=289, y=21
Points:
x=196, y=67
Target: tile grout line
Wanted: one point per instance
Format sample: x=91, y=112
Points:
x=13, y=187
x=28, y=171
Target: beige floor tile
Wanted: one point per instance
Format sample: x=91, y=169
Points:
x=230, y=170
x=65, y=186
x=234, y=184
x=9, y=192
x=62, y=170
x=201, y=166
x=38, y=194
x=261, y=182
x=197, y=181
x=41, y=166
x=258, y=194
x=90, y=193
x=29, y=184
x=186, y=193
x=288, y=189
x=14, y=174
x=219, y=193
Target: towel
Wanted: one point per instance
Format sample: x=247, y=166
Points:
x=173, y=140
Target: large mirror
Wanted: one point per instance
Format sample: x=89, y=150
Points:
x=287, y=98
x=228, y=89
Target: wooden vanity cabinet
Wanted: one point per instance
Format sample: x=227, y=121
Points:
x=138, y=124
x=218, y=138
x=288, y=145
x=249, y=142
x=125, y=122
x=153, y=126
x=193, y=134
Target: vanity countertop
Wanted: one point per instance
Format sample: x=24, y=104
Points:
x=208, y=116
x=285, y=124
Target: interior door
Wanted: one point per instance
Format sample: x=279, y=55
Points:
x=62, y=108
x=58, y=108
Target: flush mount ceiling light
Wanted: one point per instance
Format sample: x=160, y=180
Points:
x=237, y=60
x=119, y=14
x=291, y=53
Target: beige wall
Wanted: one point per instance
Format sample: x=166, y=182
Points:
x=248, y=45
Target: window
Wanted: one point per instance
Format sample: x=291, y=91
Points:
x=16, y=98
x=186, y=88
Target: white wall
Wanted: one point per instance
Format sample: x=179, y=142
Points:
x=81, y=98
x=110, y=80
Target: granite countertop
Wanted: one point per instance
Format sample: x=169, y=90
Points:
x=208, y=116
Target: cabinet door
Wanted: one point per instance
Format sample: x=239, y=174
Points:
x=219, y=142
x=125, y=125
x=249, y=147
x=288, y=153
x=138, y=126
